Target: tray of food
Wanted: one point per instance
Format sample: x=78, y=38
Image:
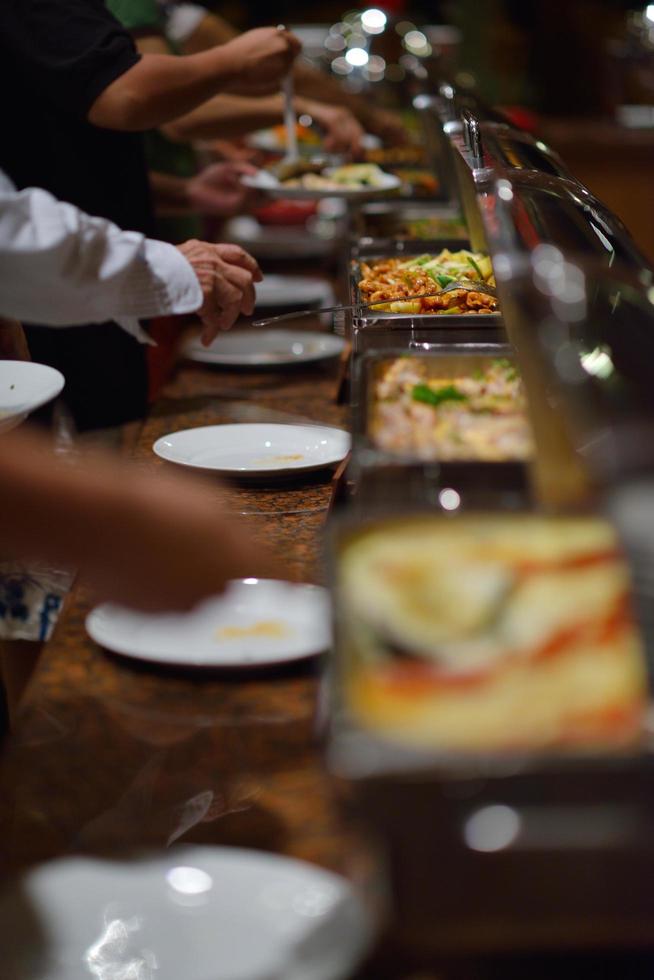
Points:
x=383, y=221
x=461, y=285
x=491, y=633
x=444, y=407
x=491, y=702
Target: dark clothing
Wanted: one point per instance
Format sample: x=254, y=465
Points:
x=56, y=57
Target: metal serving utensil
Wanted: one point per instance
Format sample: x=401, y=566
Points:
x=469, y=285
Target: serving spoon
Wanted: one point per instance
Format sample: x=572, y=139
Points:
x=469, y=285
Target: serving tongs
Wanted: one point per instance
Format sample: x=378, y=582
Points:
x=468, y=284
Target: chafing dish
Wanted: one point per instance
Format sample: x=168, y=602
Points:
x=386, y=225
x=377, y=330
x=398, y=465
x=490, y=850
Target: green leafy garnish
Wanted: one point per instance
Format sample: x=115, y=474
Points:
x=443, y=280
x=507, y=366
x=474, y=265
x=423, y=393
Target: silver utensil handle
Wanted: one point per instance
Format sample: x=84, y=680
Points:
x=290, y=120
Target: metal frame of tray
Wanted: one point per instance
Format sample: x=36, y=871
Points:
x=379, y=476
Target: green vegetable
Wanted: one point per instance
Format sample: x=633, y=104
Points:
x=423, y=393
x=443, y=280
x=451, y=309
x=475, y=267
x=507, y=366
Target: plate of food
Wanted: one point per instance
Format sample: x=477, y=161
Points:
x=254, y=623
x=24, y=387
x=462, y=282
x=266, y=348
x=255, y=449
x=190, y=911
x=307, y=179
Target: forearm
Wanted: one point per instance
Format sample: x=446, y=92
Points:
x=56, y=512
x=228, y=116
x=312, y=83
x=160, y=88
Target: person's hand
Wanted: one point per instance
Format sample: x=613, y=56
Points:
x=175, y=548
x=226, y=274
x=261, y=58
x=343, y=133
x=13, y=344
x=387, y=125
x=217, y=190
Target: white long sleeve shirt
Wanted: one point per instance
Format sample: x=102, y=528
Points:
x=62, y=267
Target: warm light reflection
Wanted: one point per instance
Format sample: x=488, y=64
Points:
x=492, y=828
x=357, y=57
x=189, y=881
x=341, y=67
x=598, y=363
x=373, y=21
x=449, y=499
x=416, y=42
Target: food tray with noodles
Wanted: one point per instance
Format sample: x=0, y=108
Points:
x=393, y=280
x=490, y=713
x=445, y=407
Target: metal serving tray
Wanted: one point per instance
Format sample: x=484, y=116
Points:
x=383, y=221
x=372, y=330
x=380, y=476
x=562, y=854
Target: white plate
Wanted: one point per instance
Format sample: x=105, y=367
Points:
x=255, y=623
x=192, y=913
x=264, y=181
x=255, y=449
x=24, y=387
x=288, y=291
x=266, y=348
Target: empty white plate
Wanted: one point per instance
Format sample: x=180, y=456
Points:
x=289, y=291
x=24, y=387
x=263, y=180
x=191, y=913
x=255, y=623
x=263, y=348
x=255, y=449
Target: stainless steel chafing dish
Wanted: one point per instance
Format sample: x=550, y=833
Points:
x=381, y=473
x=493, y=851
x=375, y=330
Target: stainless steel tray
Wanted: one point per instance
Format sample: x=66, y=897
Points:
x=498, y=853
x=384, y=220
x=379, y=330
x=378, y=475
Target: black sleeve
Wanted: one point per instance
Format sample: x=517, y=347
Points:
x=68, y=51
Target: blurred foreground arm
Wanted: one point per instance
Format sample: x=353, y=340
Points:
x=151, y=541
